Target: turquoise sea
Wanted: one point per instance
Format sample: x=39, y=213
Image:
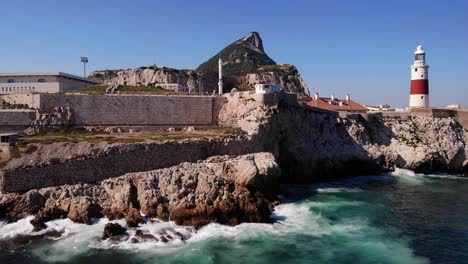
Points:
x=396, y=218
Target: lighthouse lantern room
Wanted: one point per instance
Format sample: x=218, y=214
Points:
x=419, y=94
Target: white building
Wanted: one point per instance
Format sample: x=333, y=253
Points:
x=178, y=88
x=50, y=82
x=267, y=88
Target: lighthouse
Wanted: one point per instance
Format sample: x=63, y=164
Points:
x=419, y=93
x=220, y=80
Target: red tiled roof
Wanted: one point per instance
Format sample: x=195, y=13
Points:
x=346, y=105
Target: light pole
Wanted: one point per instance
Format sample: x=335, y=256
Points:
x=84, y=60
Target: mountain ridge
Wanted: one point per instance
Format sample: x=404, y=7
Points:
x=242, y=56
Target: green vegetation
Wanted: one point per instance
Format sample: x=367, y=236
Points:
x=143, y=89
x=250, y=60
x=78, y=135
x=94, y=89
x=101, y=89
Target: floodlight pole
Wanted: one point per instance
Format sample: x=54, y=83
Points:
x=84, y=60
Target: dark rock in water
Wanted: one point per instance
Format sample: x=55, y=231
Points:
x=179, y=235
x=113, y=229
x=134, y=240
x=52, y=234
x=21, y=240
x=38, y=224
x=162, y=232
x=169, y=237
x=145, y=237
x=118, y=238
x=163, y=239
x=148, y=238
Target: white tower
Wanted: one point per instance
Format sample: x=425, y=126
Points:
x=419, y=93
x=220, y=81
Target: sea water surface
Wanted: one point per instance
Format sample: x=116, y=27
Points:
x=397, y=218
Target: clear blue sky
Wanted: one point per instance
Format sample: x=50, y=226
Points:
x=363, y=48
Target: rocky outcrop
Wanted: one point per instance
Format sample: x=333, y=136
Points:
x=286, y=75
x=222, y=189
x=245, y=63
x=314, y=145
x=243, y=55
x=153, y=75
x=60, y=118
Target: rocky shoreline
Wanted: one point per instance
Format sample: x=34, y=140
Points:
x=287, y=144
x=222, y=189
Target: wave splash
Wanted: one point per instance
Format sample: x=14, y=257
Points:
x=337, y=219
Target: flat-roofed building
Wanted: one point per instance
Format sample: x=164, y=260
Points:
x=45, y=82
x=335, y=104
x=178, y=88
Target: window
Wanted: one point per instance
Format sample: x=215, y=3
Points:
x=422, y=76
x=11, y=80
x=42, y=80
x=420, y=57
x=415, y=69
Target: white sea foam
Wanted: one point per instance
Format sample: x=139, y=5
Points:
x=402, y=172
x=338, y=190
x=417, y=178
x=20, y=227
x=291, y=218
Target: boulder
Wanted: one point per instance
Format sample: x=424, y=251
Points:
x=113, y=230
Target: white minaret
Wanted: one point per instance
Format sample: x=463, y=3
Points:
x=419, y=93
x=220, y=81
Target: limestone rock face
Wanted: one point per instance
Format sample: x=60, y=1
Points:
x=59, y=119
x=243, y=55
x=245, y=63
x=311, y=145
x=152, y=76
x=222, y=189
x=286, y=75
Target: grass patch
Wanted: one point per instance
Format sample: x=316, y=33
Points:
x=144, y=89
x=94, y=89
x=77, y=135
x=126, y=89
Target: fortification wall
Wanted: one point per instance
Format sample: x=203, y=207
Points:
x=25, y=98
x=15, y=120
x=129, y=110
x=116, y=161
x=462, y=117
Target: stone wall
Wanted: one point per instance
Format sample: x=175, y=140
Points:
x=21, y=99
x=462, y=118
x=129, y=110
x=15, y=120
x=116, y=160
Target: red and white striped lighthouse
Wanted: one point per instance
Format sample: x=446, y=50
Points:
x=419, y=94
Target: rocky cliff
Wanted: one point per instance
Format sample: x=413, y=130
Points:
x=244, y=55
x=245, y=63
x=313, y=145
x=153, y=75
x=221, y=189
